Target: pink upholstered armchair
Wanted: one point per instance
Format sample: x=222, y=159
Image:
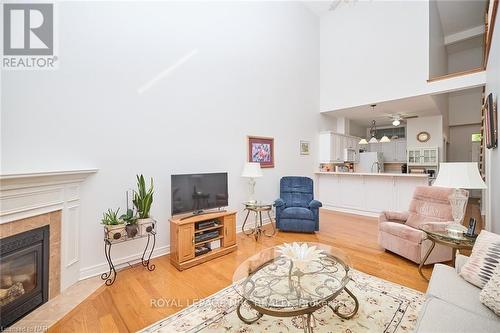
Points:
x=400, y=233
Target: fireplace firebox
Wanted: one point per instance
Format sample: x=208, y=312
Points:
x=24, y=274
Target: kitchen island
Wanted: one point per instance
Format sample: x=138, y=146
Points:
x=367, y=193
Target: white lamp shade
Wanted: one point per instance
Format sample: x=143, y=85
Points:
x=252, y=170
x=363, y=142
x=373, y=140
x=464, y=175
x=385, y=139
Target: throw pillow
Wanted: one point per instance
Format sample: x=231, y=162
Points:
x=484, y=259
x=490, y=295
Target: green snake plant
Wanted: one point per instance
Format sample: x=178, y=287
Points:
x=143, y=198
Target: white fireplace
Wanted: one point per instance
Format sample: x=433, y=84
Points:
x=27, y=195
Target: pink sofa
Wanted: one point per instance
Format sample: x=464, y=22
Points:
x=400, y=233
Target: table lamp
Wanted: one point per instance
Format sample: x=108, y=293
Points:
x=460, y=176
x=251, y=171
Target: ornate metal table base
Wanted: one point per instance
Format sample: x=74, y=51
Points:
x=443, y=238
x=258, y=229
x=425, y=259
x=307, y=313
x=110, y=276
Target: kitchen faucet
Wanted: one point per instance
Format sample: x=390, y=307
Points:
x=378, y=166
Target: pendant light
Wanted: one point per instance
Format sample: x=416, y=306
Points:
x=385, y=139
x=363, y=141
x=373, y=131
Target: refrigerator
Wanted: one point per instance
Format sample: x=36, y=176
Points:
x=367, y=160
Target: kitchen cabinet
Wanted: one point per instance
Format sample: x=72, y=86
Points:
x=394, y=151
x=332, y=145
x=401, y=151
x=376, y=147
x=423, y=156
x=389, y=151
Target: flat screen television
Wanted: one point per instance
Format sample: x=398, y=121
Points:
x=198, y=192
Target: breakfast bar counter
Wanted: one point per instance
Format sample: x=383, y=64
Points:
x=381, y=174
x=367, y=193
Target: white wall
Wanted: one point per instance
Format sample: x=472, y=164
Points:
x=442, y=104
x=357, y=130
x=256, y=71
x=466, y=59
x=493, y=156
x=373, y=51
x=432, y=125
x=461, y=146
x=465, y=107
x=438, y=57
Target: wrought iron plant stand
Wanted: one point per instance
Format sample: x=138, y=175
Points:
x=148, y=231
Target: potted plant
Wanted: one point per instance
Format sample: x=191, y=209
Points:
x=113, y=225
x=143, y=198
x=130, y=223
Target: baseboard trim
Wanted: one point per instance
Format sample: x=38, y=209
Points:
x=352, y=211
x=122, y=262
x=119, y=263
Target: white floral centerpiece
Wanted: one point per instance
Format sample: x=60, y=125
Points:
x=300, y=254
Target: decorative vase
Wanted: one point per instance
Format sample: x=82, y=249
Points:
x=145, y=226
x=132, y=230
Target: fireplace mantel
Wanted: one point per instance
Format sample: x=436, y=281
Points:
x=24, y=195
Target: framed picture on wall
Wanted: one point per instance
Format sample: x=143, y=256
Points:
x=261, y=150
x=304, y=147
x=490, y=123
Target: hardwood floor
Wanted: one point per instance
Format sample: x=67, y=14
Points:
x=129, y=304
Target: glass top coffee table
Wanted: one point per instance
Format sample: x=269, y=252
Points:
x=294, y=280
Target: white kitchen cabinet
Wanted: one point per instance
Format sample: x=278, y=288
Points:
x=352, y=143
x=389, y=151
x=339, y=147
x=375, y=147
x=332, y=145
x=401, y=151
x=394, y=151
x=423, y=156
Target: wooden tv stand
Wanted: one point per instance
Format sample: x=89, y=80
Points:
x=182, y=238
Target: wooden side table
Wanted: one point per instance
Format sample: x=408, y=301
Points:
x=258, y=208
x=444, y=238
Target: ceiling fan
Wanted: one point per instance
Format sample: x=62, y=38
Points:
x=397, y=118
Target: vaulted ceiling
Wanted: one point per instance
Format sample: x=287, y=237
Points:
x=460, y=15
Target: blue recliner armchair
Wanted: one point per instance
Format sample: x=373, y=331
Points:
x=296, y=210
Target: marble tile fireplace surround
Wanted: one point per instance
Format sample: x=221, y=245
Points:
x=33, y=205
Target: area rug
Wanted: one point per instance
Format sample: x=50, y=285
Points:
x=383, y=307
